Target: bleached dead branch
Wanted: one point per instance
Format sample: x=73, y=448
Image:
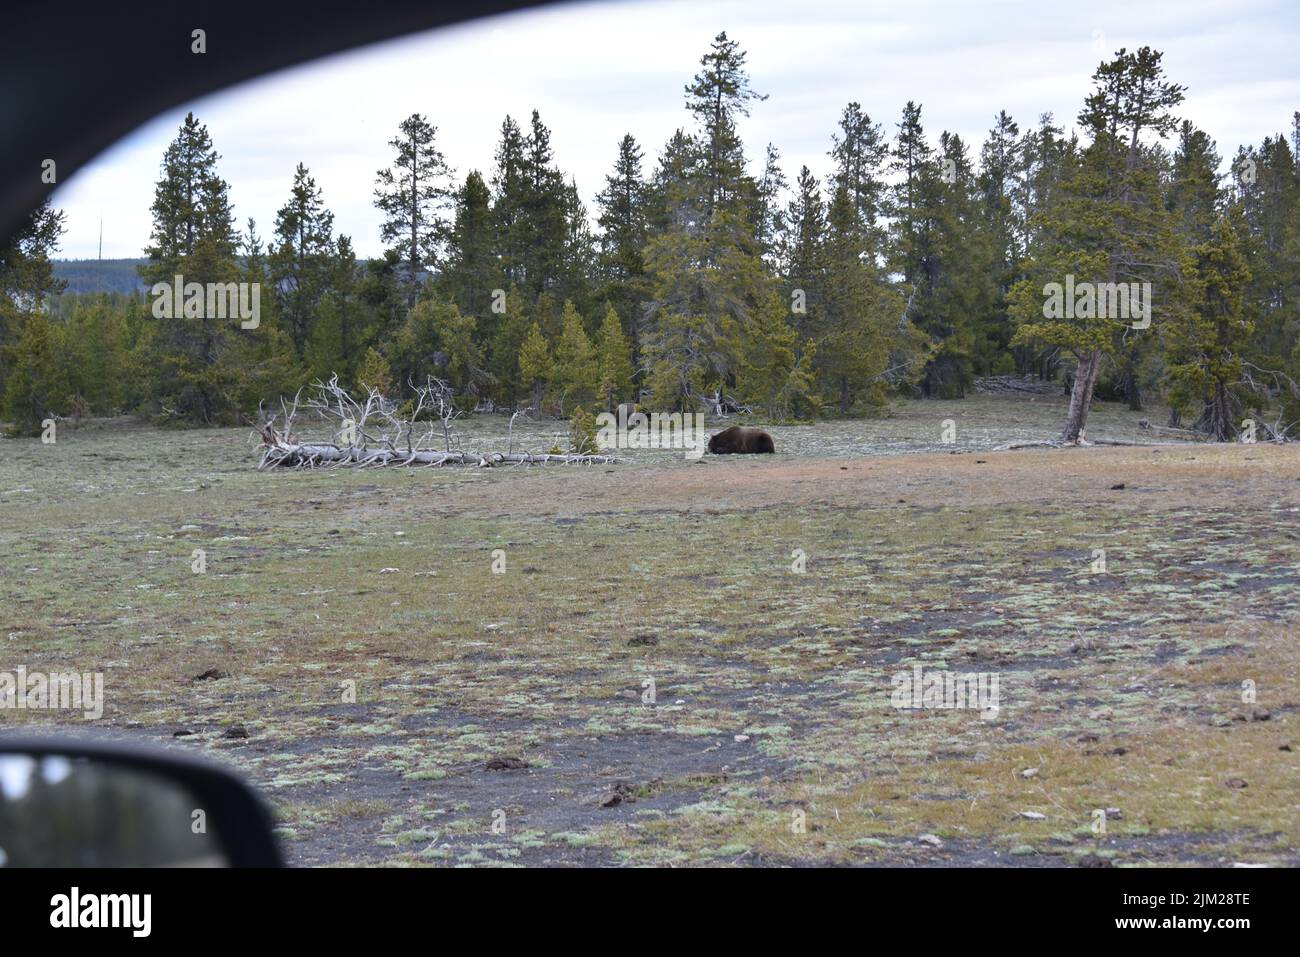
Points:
x=373, y=432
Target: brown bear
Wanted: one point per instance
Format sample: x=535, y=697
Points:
x=741, y=440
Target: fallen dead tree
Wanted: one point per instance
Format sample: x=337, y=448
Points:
x=374, y=433
x=308, y=455
x=1016, y=446
x=1011, y=384
x=1057, y=444
x=723, y=406
x=1191, y=435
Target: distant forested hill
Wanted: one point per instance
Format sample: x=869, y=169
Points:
x=99, y=275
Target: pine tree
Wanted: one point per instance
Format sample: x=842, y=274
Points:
x=938, y=252
x=543, y=238
x=803, y=254
x=26, y=276
x=193, y=362
x=303, y=256
x=909, y=204
x=1194, y=189
x=1110, y=225
x=193, y=225
x=578, y=260
x=459, y=357
x=623, y=220
x=614, y=359
x=413, y=195
x=550, y=316
x=268, y=362
x=1289, y=352
x=772, y=373
x=622, y=216
x=26, y=273
x=511, y=329
x=438, y=341
x=374, y=373
x=1203, y=345
x=96, y=341
x=577, y=369
x=342, y=324
x=1048, y=162
x=1266, y=188
x=509, y=197
x=673, y=200
x=769, y=218
x=1194, y=196
x=707, y=276
x=383, y=294
x=582, y=432
x=865, y=344
x=717, y=97
x=959, y=282
x=1002, y=170
x=860, y=151
x=37, y=386
x=471, y=271
x=544, y=223
x=536, y=368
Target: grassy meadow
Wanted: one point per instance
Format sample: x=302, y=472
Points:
x=651, y=681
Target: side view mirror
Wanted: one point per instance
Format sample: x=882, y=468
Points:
x=68, y=803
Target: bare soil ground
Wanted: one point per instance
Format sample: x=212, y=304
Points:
x=507, y=718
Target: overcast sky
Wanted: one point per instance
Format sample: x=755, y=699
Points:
x=599, y=70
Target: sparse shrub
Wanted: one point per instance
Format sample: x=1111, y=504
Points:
x=582, y=432
x=375, y=373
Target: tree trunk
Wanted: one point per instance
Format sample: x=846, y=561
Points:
x=1085, y=378
x=1219, y=415
x=1133, y=392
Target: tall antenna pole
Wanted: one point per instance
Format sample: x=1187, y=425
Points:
x=101, y=238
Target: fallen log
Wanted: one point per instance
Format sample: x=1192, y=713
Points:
x=1051, y=444
x=371, y=433
x=1013, y=446
x=1142, y=445
x=1003, y=384
x=278, y=452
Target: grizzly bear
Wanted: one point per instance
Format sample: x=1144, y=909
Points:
x=740, y=440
